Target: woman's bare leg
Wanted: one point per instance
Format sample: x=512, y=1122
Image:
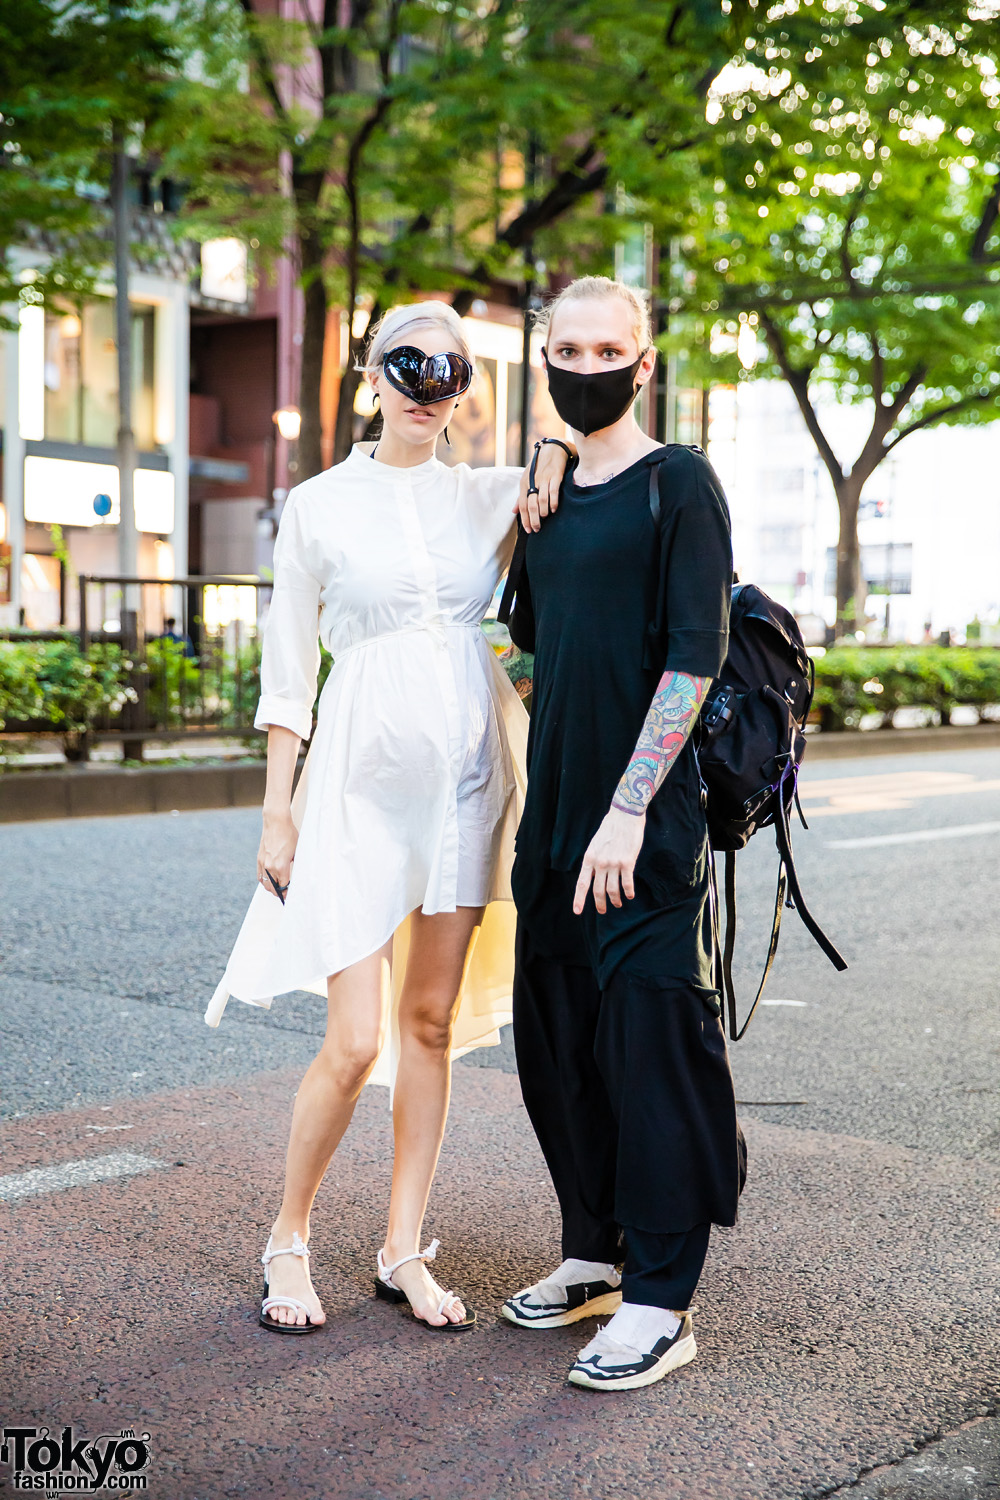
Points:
x=439, y=946
x=323, y=1108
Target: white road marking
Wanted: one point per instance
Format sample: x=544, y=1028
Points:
x=69, y=1174
x=886, y=791
x=918, y=836
x=905, y=783
x=784, y=1002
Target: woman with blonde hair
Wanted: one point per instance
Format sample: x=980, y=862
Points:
x=395, y=851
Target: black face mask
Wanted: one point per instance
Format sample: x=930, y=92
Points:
x=589, y=402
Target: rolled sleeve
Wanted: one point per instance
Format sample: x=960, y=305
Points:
x=696, y=563
x=497, y=491
x=289, y=666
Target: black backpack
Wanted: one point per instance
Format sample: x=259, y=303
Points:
x=750, y=742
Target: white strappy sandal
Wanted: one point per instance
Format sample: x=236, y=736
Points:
x=299, y=1248
x=387, y=1289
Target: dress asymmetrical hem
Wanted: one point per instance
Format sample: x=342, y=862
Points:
x=414, y=781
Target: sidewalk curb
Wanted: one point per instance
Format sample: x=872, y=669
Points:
x=862, y=743
x=85, y=792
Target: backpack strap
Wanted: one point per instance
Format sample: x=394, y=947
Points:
x=520, y=548
x=655, y=627
x=736, y=1032
x=782, y=834
x=788, y=881
x=513, y=575
x=654, y=492
x=654, y=630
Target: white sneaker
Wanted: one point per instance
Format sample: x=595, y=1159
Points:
x=607, y=1365
x=565, y=1297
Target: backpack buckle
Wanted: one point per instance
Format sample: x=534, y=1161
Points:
x=718, y=709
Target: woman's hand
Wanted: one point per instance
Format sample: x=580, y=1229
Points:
x=277, y=850
x=609, y=859
x=551, y=467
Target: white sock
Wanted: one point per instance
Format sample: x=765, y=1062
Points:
x=641, y=1326
x=572, y=1273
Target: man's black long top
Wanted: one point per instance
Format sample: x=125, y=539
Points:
x=607, y=606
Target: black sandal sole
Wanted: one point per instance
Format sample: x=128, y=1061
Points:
x=293, y=1328
x=308, y=1326
x=390, y=1294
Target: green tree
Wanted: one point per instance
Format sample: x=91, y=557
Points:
x=850, y=213
x=379, y=137
x=330, y=149
x=68, y=73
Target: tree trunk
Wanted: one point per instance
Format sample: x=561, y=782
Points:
x=310, y=454
x=850, y=586
x=344, y=429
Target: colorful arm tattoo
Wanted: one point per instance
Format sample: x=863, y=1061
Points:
x=670, y=720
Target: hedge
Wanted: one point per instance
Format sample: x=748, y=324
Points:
x=52, y=684
x=53, y=687
x=853, y=681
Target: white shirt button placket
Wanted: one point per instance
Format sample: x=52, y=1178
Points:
x=433, y=620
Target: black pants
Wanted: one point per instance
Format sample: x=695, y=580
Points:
x=662, y=1270
x=631, y=1097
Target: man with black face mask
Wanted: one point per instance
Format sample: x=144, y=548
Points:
x=620, y=1047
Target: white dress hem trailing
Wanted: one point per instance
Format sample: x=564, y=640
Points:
x=414, y=781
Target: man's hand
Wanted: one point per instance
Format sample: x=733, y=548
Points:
x=549, y=473
x=611, y=858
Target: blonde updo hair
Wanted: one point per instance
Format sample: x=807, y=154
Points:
x=604, y=287
x=389, y=332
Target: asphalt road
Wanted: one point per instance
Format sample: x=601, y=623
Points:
x=850, y=1319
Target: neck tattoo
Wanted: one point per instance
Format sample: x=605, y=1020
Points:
x=600, y=479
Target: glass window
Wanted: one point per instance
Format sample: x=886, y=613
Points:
x=41, y=593
x=473, y=428
x=143, y=377
x=688, y=415
x=543, y=420
x=81, y=375
x=887, y=568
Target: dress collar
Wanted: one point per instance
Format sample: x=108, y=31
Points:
x=361, y=460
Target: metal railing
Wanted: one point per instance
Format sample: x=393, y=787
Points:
x=152, y=658
x=190, y=653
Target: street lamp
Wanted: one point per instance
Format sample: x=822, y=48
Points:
x=288, y=420
x=365, y=403
x=746, y=341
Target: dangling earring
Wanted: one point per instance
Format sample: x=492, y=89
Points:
x=447, y=438
x=377, y=402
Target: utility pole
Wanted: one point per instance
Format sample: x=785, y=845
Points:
x=128, y=536
x=529, y=302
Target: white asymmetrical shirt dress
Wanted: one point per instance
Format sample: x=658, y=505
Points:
x=412, y=788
